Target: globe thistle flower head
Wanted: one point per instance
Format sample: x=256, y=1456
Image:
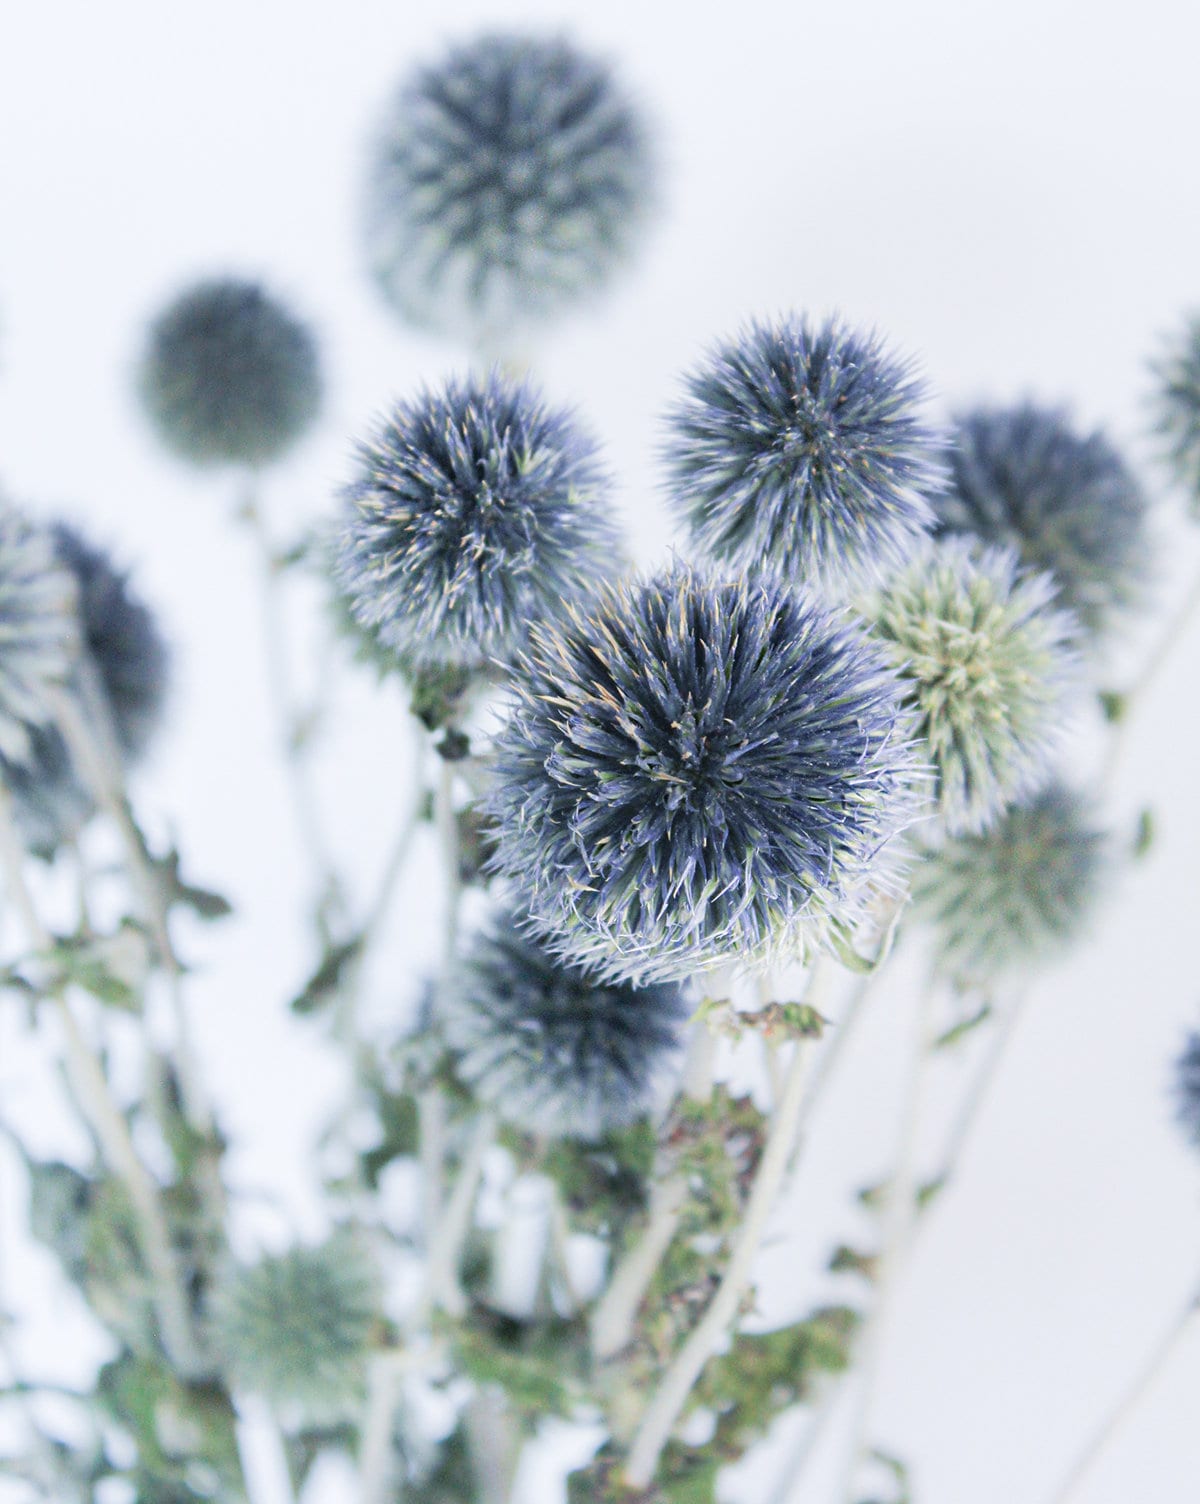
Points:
x=1019, y=893
x=229, y=375
x=296, y=1327
x=509, y=178
x=989, y=663
x=698, y=770
x=1024, y=477
x=803, y=448
x=553, y=1049
x=1187, y=1089
x=39, y=635
x=130, y=657
x=476, y=510
x=1177, y=404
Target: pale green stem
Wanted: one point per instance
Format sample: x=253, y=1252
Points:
x=441, y=1285
x=376, y=1455
x=1121, y=1413
x=677, y=1383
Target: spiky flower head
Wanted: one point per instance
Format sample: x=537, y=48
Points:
x=38, y=630
x=229, y=375
x=552, y=1048
x=1023, y=891
x=1177, y=403
x=509, y=178
x=802, y=447
x=296, y=1327
x=1066, y=501
x=476, y=510
x=1187, y=1089
x=130, y=657
x=989, y=663
x=697, y=770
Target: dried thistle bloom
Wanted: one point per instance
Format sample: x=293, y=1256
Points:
x=1019, y=893
x=1177, y=403
x=296, y=1327
x=476, y=511
x=122, y=639
x=509, y=178
x=1187, y=1089
x=551, y=1048
x=698, y=770
x=803, y=448
x=1067, y=502
x=229, y=375
x=38, y=631
x=989, y=663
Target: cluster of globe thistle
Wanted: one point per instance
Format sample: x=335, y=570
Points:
x=698, y=769
x=552, y=1048
x=476, y=510
x=508, y=178
x=296, y=1327
x=1023, y=478
x=1187, y=1089
x=123, y=642
x=988, y=664
x=1019, y=893
x=39, y=636
x=1177, y=399
x=228, y=375
x=803, y=448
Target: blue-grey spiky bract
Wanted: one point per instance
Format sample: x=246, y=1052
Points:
x=1019, y=893
x=553, y=1049
x=803, y=448
x=476, y=510
x=229, y=375
x=509, y=178
x=1187, y=1089
x=130, y=658
x=39, y=634
x=1177, y=403
x=698, y=769
x=990, y=663
x=296, y=1327
x=1067, y=502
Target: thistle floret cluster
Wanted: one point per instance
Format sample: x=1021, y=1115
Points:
x=553, y=1049
x=509, y=177
x=1020, y=893
x=1187, y=1089
x=296, y=1327
x=229, y=375
x=989, y=664
x=696, y=770
x=803, y=448
x=475, y=511
x=129, y=655
x=39, y=635
x=1024, y=477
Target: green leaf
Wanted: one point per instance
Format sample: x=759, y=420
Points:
x=323, y=986
x=964, y=1027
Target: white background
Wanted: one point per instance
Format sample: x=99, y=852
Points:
x=1010, y=193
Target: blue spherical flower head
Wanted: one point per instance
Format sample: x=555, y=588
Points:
x=1020, y=893
x=509, y=178
x=229, y=375
x=802, y=448
x=554, y=1049
x=989, y=664
x=1023, y=477
x=698, y=770
x=1187, y=1089
x=476, y=511
x=39, y=633
x=129, y=655
x=1177, y=403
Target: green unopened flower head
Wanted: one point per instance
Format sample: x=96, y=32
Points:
x=38, y=630
x=1018, y=894
x=296, y=1327
x=989, y=662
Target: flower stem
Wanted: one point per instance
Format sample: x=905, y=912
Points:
x=1115, y=1421
x=613, y=1319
